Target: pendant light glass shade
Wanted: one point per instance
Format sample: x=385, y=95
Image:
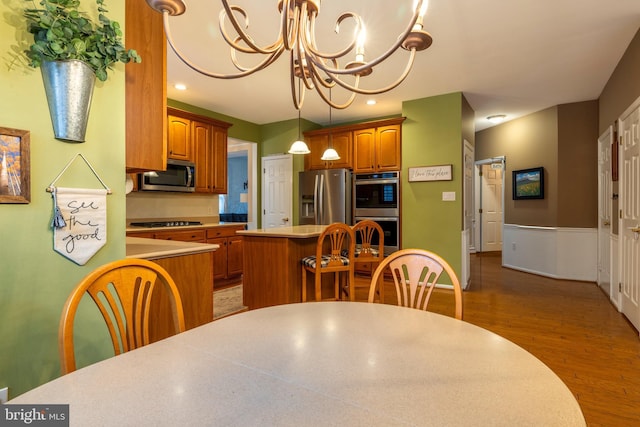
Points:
x=330, y=154
x=299, y=146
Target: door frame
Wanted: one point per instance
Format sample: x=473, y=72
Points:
x=478, y=190
x=605, y=191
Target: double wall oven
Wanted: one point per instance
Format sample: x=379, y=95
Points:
x=376, y=196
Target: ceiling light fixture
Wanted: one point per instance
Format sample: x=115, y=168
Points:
x=299, y=146
x=297, y=36
x=180, y=86
x=497, y=118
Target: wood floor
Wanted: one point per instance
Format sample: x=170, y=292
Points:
x=571, y=326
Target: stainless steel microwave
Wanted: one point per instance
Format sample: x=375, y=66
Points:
x=180, y=176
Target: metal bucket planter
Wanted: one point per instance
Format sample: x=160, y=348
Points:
x=69, y=88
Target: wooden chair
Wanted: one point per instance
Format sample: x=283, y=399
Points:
x=415, y=274
x=122, y=291
x=369, y=249
x=338, y=236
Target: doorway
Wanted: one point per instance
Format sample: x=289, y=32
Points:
x=240, y=202
x=490, y=204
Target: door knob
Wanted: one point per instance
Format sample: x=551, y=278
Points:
x=285, y=219
x=607, y=223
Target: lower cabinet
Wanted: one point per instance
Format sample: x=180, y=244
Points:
x=227, y=260
x=193, y=276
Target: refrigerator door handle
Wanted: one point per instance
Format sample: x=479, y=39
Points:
x=320, y=201
x=315, y=200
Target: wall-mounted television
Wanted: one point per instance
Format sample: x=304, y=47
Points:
x=528, y=184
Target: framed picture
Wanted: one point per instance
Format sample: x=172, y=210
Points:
x=14, y=166
x=431, y=173
x=528, y=184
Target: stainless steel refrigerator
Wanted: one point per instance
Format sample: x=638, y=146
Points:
x=325, y=196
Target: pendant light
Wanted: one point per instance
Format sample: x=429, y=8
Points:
x=330, y=154
x=299, y=146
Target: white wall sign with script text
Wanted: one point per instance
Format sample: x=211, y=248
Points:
x=431, y=173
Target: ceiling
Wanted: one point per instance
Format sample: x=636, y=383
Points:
x=507, y=57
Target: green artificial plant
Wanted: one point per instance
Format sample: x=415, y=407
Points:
x=62, y=32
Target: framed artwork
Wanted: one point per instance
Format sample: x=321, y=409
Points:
x=15, y=166
x=528, y=184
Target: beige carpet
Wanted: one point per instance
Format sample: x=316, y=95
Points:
x=227, y=301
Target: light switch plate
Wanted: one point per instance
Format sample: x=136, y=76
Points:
x=448, y=196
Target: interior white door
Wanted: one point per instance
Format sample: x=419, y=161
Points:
x=491, y=207
x=629, y=229
x=469, y=217
x=604, y=210
x=277, y=191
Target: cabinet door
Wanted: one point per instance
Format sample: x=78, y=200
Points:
x=364, y=150
x=317, y=144
x=341, y=142
x=196, y=235
x=203, y=156
x=234, y=256
x=388, y=148
x=218, y=171
x=179, y=138
x=219, y=258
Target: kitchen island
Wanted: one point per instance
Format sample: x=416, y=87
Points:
x=271, y=263
x=191, y=267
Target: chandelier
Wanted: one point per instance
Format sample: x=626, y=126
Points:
x=316, y=69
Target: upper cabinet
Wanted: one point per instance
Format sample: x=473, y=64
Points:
x=319, y=141
x=377, y=149
x=364, y=147
x=180, y=142
x=146, y=89
x=202, y=140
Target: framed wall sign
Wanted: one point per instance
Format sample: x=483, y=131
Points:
x=528, y=184
x=431, y=173
x=15, y=178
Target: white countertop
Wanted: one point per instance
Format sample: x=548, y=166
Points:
x=137, y=247
x=294, y=232
x=327, y=363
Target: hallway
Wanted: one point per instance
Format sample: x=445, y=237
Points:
x=571, y=326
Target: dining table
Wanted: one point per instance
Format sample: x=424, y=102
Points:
x=319, y=364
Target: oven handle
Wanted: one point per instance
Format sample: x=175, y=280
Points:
x=376, y=181
x=377, y=218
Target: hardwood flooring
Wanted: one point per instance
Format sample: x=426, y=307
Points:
x=571, y=326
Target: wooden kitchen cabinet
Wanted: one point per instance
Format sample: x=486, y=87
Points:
x=377, y=149
x=227, y=260
x=197, y=235
x=206, y=139
x=318, y=142
x=180, y=142
x=145, y=89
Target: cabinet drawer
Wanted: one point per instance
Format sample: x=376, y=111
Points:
x=215, y=232
x=183, y=235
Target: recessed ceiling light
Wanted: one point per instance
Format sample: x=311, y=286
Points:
x=497, y=118
x=371, y=102
x=180, y=86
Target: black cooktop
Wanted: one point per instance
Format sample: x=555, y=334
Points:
x=166, y=223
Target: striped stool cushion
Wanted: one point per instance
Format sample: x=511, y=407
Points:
x=310, y=261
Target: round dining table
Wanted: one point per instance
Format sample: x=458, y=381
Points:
x=319, y=364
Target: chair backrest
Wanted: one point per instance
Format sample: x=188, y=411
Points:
x=415, y=274
x=122, y=291
x=367, y=230
x=338, y=236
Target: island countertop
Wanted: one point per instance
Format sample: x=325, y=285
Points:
x=292, y=232
x=137, y=247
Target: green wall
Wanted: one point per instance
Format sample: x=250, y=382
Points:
x=432, y=135
x=34, y=280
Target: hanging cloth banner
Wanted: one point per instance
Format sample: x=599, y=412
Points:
x=79, y=222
